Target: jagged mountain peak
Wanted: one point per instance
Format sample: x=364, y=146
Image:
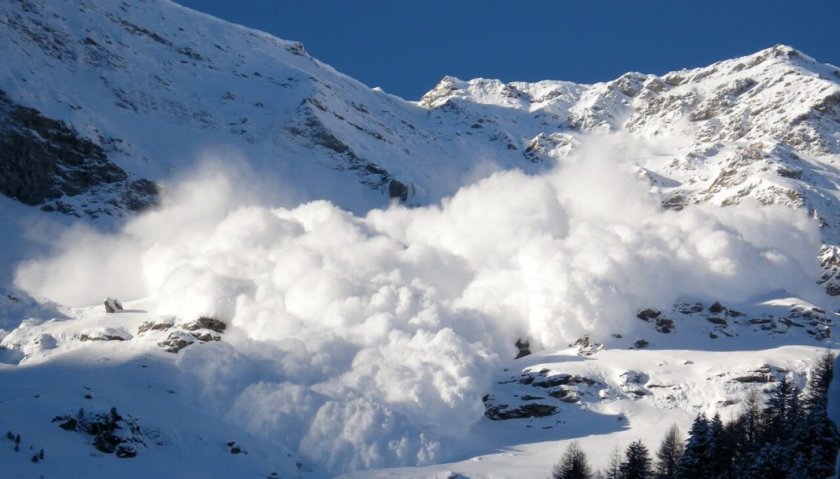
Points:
x=777, y=60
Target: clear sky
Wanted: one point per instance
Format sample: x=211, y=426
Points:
x=406, y=46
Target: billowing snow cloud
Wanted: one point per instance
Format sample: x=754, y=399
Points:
x=354, y=334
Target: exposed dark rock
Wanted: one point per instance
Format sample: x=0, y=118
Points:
x=790, y=322
x=199, y=332
x=296, y=48
x=112, y=433
x=398, y=190
x=176, y=341
x=206, y=337
x=691, y=309
x=112, y=305
x=676, y=203
x=664, y=325
x=648, y=314
x=794, y=173
x=68, y=425
x=563, y=379
x=755, y=378
x=43, y=159
x=151, y=326
x=633, y=377
x=140, y=195
x=565, y=395
x=125, y=451
x=641, y=344
x=205, y=322
x=524, y=348
x=632, y=383
x=586, y=347
x=502, y=411
x=312, y=128
x=553, y=381
x=716, y=307
x=716, y=320
x=109, y=334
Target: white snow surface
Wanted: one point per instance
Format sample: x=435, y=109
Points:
x=368, y=338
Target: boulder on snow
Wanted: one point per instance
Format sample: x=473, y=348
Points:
x=716, y=307
x=206, y=322
x=502, y=412
x=718, y=321
x=398, y=190
x=586, y=347
x=664, y=325
x=524, y=347
x=112, y=433
x=177, y=341
x=631, y=383
x=152, y=326
x=691, y=308
x=648, y=314
x=106, y=334
x=112, y=305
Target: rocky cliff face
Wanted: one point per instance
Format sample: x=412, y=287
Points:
x=43, y=160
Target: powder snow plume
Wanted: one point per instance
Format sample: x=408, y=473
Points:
x=369, y=341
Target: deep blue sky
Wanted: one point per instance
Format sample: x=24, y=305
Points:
x=406, y=46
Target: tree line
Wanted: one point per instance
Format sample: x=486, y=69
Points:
x=788, y=437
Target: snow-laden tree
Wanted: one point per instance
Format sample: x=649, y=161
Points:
x=573, y=464
x=637, y=463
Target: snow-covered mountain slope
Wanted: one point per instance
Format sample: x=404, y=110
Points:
x=152, y=94
x=657, y=242
x=155, y=85
x=762, y=127
x=140, y=98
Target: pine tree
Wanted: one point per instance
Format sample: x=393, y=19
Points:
x=693, y=463
x=745, y=433
x=669, y=454
x=637, y=464
x=573, y=464
x=613, y=469
x=819, y=381
x=819, y=436
x=777, y=411
x=752, y=422
x=766, y=465
x=717, y=457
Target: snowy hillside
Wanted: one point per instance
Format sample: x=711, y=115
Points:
x=319, y=278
